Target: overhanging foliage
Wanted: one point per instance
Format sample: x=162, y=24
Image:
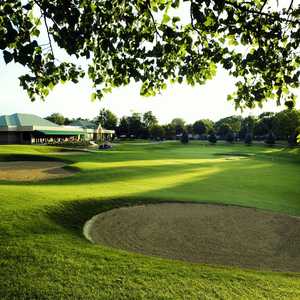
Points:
x=146, y=41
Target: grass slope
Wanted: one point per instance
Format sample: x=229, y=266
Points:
x=43, y=254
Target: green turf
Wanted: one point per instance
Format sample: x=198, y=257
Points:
x=43, y=254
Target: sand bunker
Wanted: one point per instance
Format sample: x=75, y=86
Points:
x=32, y=170
x=213, y=234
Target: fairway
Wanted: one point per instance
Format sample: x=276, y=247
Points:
x=44, y=254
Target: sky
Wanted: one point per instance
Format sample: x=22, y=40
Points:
x=178, y=101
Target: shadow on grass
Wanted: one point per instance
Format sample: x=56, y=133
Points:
x=127, y=172
x=72, y=215
x=31, y=157
x=121, y=173
x=242, y=192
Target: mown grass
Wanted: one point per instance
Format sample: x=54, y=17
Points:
x=43, y=254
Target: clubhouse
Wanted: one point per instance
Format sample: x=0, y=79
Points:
x=31, y=129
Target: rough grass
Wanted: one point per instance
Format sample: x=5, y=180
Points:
x=43, y=254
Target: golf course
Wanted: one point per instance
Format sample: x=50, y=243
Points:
x=56, y=192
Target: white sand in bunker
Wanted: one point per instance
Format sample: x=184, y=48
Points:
x=211, y=234
x=32, y=170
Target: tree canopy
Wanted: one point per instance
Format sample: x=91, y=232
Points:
x=107, y=119
x=286, y=122
x=56, y=118
x=157, y=132
x=232, y=122
x=202, y=126
x=149, y=119
x=155, y=42
x=178, y=124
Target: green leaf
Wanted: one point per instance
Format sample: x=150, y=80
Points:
x=8, y=57
x=165, y=19
x=93, y=96
x=232, y=40
x=209, y=21
x=175, y=19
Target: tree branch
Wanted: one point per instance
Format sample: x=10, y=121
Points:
x=49, y=38
x=44, y=12
x=260, y=13
x=291, y=5
x=263, y=6
x=192, y=19
x=153, y=20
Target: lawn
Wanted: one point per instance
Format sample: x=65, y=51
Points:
x=43, y=254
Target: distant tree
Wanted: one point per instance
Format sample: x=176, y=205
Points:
x=212, y=138
x=157, y=132
x=247, y=126
x=264, y=124
x=178, y=124
x=149, y=119
x=223, y=130
x=248, y=139
x=107, y=119
x=123, y=128
x=286, y=122
x=67, y=121
x=271, y=138
x=199, y=127
x=230, y=136
x=293, y=138
x=234, y=123
x=189, y=128
x=136, y=126
x=209, y=125
x=266, y=114
x=203, y=126
x=170, y=131
x=184, y=137
x=56, y=118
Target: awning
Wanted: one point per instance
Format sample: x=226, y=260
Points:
x=62, y=132
x=106, y=131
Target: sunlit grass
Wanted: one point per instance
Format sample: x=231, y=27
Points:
x=44, y=255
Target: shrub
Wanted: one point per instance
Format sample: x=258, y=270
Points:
x=157, y=132
x=293, y=138
x=230, y=136
x=271, y=139
x=70, y=143
x=184, y=138
x=212, y=138
x=248, y=139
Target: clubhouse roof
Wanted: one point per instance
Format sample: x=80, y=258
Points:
x=29, y=128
